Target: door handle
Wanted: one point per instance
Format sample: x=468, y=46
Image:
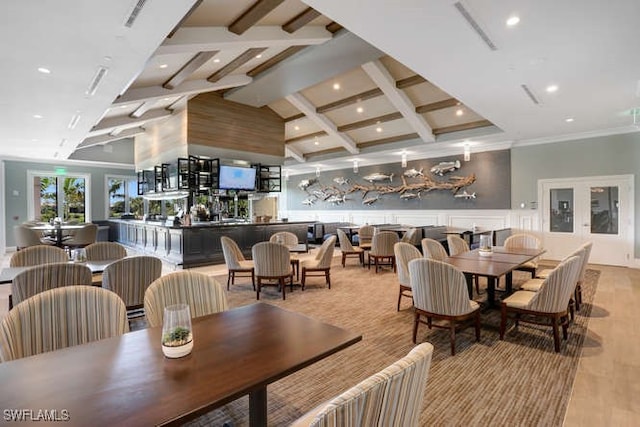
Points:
x=585, y=225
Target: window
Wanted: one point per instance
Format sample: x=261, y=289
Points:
x=63, y=196
x=123, y=198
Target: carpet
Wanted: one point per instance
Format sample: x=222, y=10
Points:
x=518, y=381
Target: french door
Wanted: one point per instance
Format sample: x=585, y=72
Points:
x=594, y=209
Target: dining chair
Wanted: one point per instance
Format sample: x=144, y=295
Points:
x=550, y=302
x=382, y=250
x=44, y=277
x=365, y=236
x=433, y=249
x=457, y=245
x=38, y=255
x=404, y=253
x=82, y=237
x=60, y=318
x=392, y=397
x=237, y=265
x=105, y=251
x=411, y=236
x=130, y=277
x=286, y=238
x=203, y=294
x=26, y=237
x=524, y=241
x=272, y=262
x=347, y=249
x=321, y=263
x=440, y=292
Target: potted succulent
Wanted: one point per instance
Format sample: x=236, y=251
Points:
x=177, y=336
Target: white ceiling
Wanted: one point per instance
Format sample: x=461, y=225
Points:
x=588, y=48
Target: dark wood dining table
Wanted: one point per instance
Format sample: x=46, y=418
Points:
x=56, y=231
x=126, y=380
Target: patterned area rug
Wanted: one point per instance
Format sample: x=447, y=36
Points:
x=518, y=381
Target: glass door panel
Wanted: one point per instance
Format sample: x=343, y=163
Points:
x=604, y=210
x=561, y=211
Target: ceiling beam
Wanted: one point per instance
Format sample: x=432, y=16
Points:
x=294, y=117
x=300, y=20
x=333, y=27
x=388, y=140
x=206, y=39
x=108, y=124
x=106, y=138
x=189, y=68
x=274, y=60
x=238, y=62
x=191, y=87
x=385, y=81
x=303, y=137
x=410, y=81
x=440, y=105
x=184, y=18
x=363, y=96
x=251, y=16
x=336, y=150
x=143, y=108
x=370, y=122
x=302, y=104
x=463, y=126
x=295, y=153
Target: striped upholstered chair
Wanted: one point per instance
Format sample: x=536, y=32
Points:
x=37, y=255
x=457, y=244
x=411, y=236
x=348, y=250
x=365, y=236
x=550, y=302
x=321, y=264
x=433, y=249
x=60, y=318
x=404, y=252
x=440, y=292
x=44, y=277
x=272, y=263
x=236, y=264
x=391, y=397
x=26, y=237
x=286, y=238
x=105, y=251
x=524, y=241
x=82, y=237
x=382, y=249
x=203, y=294
x=130, y=277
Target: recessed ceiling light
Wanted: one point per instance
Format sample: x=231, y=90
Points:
x=123, y=106
x=44, y=70
x=336, y=86
x=569, y=120
x=552, y=88
x=359, y=109
x=513, y=21
x=259, y=56
x=459, y=112
x=163, y=65
x=296, y=127
x=216, y=60
x=37, y=116
x=378, y=129
x=166, y=99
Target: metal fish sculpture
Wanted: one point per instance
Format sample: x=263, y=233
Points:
x=465, y=195
x=370, y=200
x=409, y=196
x=336, y=199
x=320, y=194
x=378, y=177
x=306, y=183
x=341, y=181
x=412, y=173
x=445, y=167
x=309, y=201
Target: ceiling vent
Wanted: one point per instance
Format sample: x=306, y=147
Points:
x=102, y=71
x=134, y=13
x=530, y=94
x=474, y=24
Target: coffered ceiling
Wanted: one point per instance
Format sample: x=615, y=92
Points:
x=350, y=82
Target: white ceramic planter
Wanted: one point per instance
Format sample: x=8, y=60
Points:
x=179, y=351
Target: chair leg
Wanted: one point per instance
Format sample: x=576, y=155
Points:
x=228, y=279
x=258, y=291
x=362, y=259
x=399, y=296
x=477, y=322
x=577, y=297
x=415, y=326
x=327, y=275
x=253, y=279
x=503, y=320
x=556, y=335
x=283, y=286
x=344, y=258
x=304, y=277
x=452, y=336
x=565, y=326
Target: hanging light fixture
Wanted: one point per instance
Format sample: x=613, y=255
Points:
x=467, y=152
x=286, y=174
x=355, y=166
x=404, y=160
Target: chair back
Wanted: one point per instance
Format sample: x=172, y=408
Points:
x=84, y=236
x=457, y=244
x=105, y=251
x=232, y=253
x=203, y=294
x=345, y=243
x=405, y=252
x=522, y=241
x=410, y=236
x=438, y=287
x=286, y=238
x=556, y=290
x=60, y=318
x=130, y=277
x=26, y=236
x=325, y=253
x=365, y=234
x=382, y=243
x=585, y=260
x=48, y=276
x=271, y=259
x=391, y=397
x=38, y=255
x=433, y=249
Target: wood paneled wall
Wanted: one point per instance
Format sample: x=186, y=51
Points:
x=215, y=122
x=163, y=142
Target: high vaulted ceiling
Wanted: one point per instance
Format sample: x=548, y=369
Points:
x=351, y=80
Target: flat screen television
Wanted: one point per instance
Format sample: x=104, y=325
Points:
x=237, y=178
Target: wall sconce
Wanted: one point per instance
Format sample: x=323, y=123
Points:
x=317, y=170
x=355, y=166
x=467, y=152
x=404, y=160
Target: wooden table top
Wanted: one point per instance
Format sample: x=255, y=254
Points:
x=127, y=381
x=8, y=273
x=482, y=266
x=521, y=251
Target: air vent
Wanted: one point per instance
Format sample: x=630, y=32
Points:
x=530, y=94
x=474, y=24
x=102, y=71
x=134, y=13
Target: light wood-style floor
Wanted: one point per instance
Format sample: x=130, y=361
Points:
x=606, y=390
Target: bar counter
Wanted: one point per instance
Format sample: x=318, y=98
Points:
x=198, y=244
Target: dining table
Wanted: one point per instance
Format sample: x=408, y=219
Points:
x=57, y=231
x=126, y=380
